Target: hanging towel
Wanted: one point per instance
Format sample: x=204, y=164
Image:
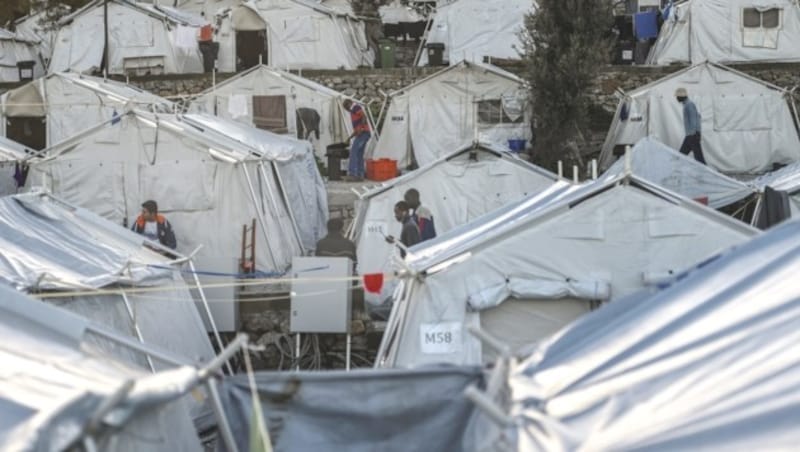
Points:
x=237, y=106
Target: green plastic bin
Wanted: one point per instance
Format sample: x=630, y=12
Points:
x=387, y=50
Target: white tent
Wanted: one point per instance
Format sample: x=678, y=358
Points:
x=287, y=34
x=459, y=104
x=732, y=31
x=280, y=102
x=11, y=155
x=670, y=169
x=16, y=48
x=142, y=39
x=524, y=271
x=209, y=176
x=107, y=273
x=60, y=392
x=747, y=124
x=456, y=188
x=53, y=108
x=474, y=29
x=32, y=28
x=709, y=363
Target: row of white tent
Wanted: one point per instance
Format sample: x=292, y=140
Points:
x=705, y=362
x=299, y=34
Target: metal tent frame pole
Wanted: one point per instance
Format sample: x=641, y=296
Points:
x=207, y=309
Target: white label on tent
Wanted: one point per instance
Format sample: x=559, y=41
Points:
x=376, y=227
x=440, y=338
x=627, y=54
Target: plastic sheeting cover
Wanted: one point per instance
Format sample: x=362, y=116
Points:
x=708, y=363
x=363, y=410
x=682, y=174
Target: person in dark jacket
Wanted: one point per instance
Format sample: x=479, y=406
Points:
x=409, y=236
x=422, y=215
x=154, y=226
x=335, y=244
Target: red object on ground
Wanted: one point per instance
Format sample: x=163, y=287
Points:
x=702, y=200
x=381, y=169
x=373, y=282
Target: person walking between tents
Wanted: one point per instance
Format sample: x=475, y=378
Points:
x=360, y=137
x=691, y=126
x=409, y=236
x=422, y=215
x=154, y=226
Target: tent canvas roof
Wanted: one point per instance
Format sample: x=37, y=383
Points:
x=54, y=380
x=277, y=74
x=785, y=179
x=682, y=174
x=11, y=150
x=710, y=360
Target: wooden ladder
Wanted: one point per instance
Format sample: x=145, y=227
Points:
x=247, y=263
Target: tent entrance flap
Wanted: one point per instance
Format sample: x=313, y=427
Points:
x=30, y=131
x=251, y=49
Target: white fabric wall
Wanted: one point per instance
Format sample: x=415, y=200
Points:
x=455, y=191
x=207, y=201
x=79, y=45
x=711, y=30
x=302, y=38
x=746, y=126
x=11, y=52
x=472, y=29
x=614, y=236
x=334, y=126
x=439, y=115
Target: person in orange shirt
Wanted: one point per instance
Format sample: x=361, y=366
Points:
x=360, y=136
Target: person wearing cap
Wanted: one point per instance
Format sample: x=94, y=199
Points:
x=691, y=126
x=154, y=226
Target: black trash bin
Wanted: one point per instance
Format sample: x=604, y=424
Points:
x=336, y=153
x=209, y=50
x=25, y=69
x=435, y=53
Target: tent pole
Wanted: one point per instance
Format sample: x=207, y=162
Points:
x=224, y=426
x=259, y=215
x=289, y=208
x=207, y=308
x=271, y=197
x=347, y=353
x=297, y=351
x=136, y=328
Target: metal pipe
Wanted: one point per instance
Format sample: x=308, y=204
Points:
x=488, y=407
x=219, y=412
x=560, y=169
x=207, y=308
x=260, y=216
x=272, y=201
x=288, y=207
x=594, y=169
x=224, y=356
x=297, y=351
x=575, y=173
x=122, y=340
x=136, y=328
x=347, y=353
x=499, y=346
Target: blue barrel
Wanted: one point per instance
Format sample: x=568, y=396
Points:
x=517, y=145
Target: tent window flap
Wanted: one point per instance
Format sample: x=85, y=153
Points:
x=760, y=27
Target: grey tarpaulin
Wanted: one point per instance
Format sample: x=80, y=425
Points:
x=710, y=362
x=364, y=410
x=53, y=380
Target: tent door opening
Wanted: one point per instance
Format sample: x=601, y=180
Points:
x=28, y=130
x=249, y=46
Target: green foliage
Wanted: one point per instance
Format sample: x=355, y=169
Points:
x=566, y=43
x=14, y=9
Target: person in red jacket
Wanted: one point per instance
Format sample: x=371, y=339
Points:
x=154, y=226
x=360, y=136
